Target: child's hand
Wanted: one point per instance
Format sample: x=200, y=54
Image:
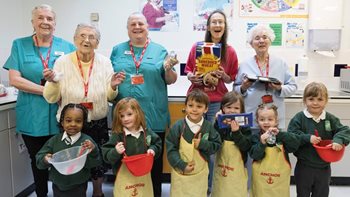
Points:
x=47, y=157
x=234, y=126
x=336, y=146
x=120, y=147
x=189, y=168
x=274, y=130
x=150, y=151
x=314, y=139
x=87, y=144
x=197, y=140
x=264, y=137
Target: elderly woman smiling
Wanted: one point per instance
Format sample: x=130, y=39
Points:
x=266, y=65
x=88, y=78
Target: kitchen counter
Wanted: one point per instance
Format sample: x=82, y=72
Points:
x=8, y=101
x=298, y=95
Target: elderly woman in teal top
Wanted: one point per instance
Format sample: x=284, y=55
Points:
x=148, y=72
x=36, y=119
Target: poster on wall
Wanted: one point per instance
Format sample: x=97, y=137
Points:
x=277, y=29
x=203, y=8
x=295, y=35
x=161, y=15
x=274, y=8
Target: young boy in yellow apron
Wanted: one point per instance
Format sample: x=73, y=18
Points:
x=189, y=145
x=271, y=167
x=130, y=137
x=230, y=173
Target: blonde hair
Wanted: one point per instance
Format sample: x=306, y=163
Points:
x=315, y=89
x=123, y=105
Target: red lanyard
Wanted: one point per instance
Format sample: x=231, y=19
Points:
x=46, y=61
x=86, y=84
x=267, y=67
x=138, y=63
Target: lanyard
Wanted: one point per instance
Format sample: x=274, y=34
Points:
x=138, y=63
x=260, y=67
x=86, y=84
x=46, y=61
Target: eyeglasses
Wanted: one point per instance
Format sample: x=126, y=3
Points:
x=89, y=37
x=219, y=23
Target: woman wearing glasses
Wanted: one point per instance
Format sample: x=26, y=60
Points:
x=87, y=78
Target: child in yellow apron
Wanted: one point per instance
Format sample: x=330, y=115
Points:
x=230, y=174
x=271, y=167
x=131, y=138
x=189, y=145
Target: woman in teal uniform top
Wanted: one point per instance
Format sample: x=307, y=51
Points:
x=35, y=118
x=148, y=71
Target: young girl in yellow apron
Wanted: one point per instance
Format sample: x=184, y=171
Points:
x=189, y=145
x=271, y=167
x=132, y=139
x=230, y=174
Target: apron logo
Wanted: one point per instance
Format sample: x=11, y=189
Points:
x=224, y=169
x=135, y=186
x=269, y=180
x=134, y=193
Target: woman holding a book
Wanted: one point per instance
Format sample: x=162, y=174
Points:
x=212, y=78
x=208, y=77
x=264, y=78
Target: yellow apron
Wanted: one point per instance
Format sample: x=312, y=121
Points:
x=192, y=184
x=230, y=176
x=271, y=175
x=127, y=185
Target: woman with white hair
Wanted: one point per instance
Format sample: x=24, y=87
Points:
x=30, y=55
x=267, y=66
x=87, y=78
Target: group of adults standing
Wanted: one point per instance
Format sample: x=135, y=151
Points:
x=49, y=73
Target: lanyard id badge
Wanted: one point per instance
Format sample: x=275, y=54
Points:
x=88, y=105
x=137, y=79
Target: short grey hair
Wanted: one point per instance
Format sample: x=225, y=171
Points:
x=258, y=29
x=85, y=25
x=43, y=7
x=136, y=14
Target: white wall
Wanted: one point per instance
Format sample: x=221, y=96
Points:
x=113, y=15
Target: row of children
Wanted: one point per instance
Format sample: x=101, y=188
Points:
x=193, y=139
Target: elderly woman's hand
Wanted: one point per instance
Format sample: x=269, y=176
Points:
x=117, y=78
x=170, y=62
x=48, y=74
x=275, y=86
x=246, y=83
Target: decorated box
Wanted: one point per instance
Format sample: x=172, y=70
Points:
x=208, y=57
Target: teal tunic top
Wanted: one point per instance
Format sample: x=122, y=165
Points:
x=133, y=146
x=34, y=116
x=209, y=144
x=152, y=94
x=67, y=182
x=330, y=128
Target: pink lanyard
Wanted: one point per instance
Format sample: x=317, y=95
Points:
x=46, y=61
x=138, y=63
x=86, y=84
x=267, y=67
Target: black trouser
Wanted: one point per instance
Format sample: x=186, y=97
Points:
x=157, y=169
x=314, y=181
x=41, y=177
x=98, y=131
x=78, y=191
